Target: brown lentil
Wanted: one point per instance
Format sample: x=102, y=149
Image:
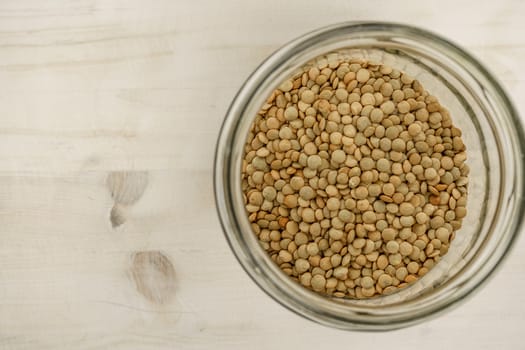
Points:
x=354, y=178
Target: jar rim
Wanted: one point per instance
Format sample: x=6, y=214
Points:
x=323, y=311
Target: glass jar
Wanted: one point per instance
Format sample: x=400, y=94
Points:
x=495, y=142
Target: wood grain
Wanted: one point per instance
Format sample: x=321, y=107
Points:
x=90, y=88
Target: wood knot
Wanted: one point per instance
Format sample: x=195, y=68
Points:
x=126, y=188
x=154, y=276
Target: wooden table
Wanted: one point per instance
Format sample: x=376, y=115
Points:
x=109, y=112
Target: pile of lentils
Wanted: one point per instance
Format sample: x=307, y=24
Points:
x=354, y=178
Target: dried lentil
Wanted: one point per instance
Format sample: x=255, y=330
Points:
x=354, y=178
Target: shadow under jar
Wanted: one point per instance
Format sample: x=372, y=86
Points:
x=495, y=145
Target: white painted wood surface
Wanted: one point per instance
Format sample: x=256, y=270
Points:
x=91, y=87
